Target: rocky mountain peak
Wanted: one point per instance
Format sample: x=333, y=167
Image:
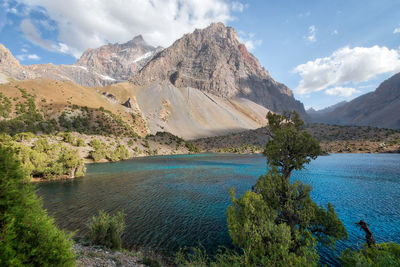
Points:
x=10, y=66
x=6, y=57
x=138, y=39
x=117, y=62
x=213, y=60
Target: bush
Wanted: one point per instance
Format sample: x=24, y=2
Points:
x=28, y=235
x=69, y=138
x=106, y=230
x=99, y=151
x=122, y=152
x=384, y=254
x=192, y=148
x=80, y=142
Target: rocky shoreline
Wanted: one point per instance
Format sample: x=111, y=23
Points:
x=90, y=256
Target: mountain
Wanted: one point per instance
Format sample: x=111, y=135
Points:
x=380, y=108
x=214, y=61
x=105, y=65
x=205, y=84
x=327, y=109
x=316, y=115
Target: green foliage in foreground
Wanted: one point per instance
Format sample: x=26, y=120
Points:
x=384, y=254
x=28, y=236
x=45, y=160
x=107, y=230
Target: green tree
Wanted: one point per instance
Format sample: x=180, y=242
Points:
x=28, y=236
x=277, y=223
x=291, y=147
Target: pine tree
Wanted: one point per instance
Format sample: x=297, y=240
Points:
x=28, y=235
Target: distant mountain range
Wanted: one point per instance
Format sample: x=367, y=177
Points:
x=204, y=84
x=105, y=65
x=380, y=108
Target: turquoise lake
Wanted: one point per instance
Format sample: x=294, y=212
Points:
x=177, y=201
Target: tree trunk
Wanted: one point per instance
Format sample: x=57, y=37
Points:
x=368, y=234
x=72, y=175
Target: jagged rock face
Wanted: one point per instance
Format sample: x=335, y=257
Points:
x=118, y=61
x=380, y=108
x=105, y=65
x=213, y=60
x=10, y=66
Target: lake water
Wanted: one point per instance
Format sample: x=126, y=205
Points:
x=177, y=201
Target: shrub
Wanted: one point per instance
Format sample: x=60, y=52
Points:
x=80, y=142
x=122, y=152
x=384, y=254
x=69, y=138
x=192, y=148
x=106, y=230
x=99, y=152
x=28, y=235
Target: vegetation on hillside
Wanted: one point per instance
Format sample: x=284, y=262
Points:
x=103, y=151
x=28, y=236
x=23, y=114
x=332, y=138
x=43, y=159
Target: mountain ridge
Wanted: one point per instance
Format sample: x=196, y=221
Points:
x=379, y=108
x=100, y=66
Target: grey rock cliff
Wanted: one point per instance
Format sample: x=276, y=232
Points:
x=213, y=60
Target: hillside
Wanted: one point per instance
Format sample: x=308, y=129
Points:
x=186, y=113
x=380, y=108
x=332, y=138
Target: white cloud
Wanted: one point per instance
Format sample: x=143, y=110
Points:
x=249, y=40
x=33, y=57
x=91, y=23
x=312, y=32
x=24, y=57
x=341, y=91
x=335, y=32
x=239, y=7
x=346, y=65
x=396, y=30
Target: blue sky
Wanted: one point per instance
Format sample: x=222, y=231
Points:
x=325, y=51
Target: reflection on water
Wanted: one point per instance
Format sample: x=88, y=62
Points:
x=177, y=201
